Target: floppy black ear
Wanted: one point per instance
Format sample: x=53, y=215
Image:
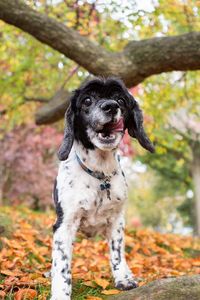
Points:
x=68, y=138
x=135, y=125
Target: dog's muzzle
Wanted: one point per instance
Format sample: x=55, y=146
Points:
x=110, y=107
x=107, y=124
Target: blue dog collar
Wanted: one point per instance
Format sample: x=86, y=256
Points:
x=105, y=185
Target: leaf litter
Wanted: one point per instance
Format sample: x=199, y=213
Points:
x=25, y=257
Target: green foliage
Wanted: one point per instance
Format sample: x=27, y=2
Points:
x=162, y=96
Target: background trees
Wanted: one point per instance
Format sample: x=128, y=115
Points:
x=132, y=41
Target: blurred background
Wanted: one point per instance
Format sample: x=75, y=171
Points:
x=34, y=79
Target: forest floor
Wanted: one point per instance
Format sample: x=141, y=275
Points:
x=25, y=257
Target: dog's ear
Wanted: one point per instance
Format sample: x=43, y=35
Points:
x=134, y=124
x=68, y=138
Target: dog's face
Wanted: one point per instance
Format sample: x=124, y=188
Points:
x=98, y=115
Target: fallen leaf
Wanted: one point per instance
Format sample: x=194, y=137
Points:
x=196, y=263
x=110, y=292
x=25, y=294
x=10, y=273
x=102, y=282
x=89, y=283
x=146, y=251
x=2, y=295
x=93, y=298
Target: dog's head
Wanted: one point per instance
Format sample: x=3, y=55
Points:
x=99, y=112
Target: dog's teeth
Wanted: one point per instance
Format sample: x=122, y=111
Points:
x=112, y=136
x=107, y=136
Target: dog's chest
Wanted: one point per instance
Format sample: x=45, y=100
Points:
x=101, y=207
x=83, y=195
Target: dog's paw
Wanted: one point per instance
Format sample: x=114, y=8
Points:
x=128, y=285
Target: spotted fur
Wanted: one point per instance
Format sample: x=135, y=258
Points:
x=81, y=203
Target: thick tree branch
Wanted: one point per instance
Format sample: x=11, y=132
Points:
x=181, y=288
x=55, y=34
x=55, y=109
x=139, y=59
x=36, y=99
x=164, y=54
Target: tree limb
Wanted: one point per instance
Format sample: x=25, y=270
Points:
x=180, y=288
x=55, y=34
x=36, y=99
x=55, y=109
x=136, y=62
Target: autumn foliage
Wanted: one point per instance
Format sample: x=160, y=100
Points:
x=28, y=162
x=25, y=257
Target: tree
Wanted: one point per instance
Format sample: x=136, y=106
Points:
x=175, y=127
x=134, y=63
x=26, y=154
x=188, y=126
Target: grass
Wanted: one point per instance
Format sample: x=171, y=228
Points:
x=6, y=226
x=80, y=291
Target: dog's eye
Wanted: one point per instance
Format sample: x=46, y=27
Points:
x=87, y=101
x=120, y=101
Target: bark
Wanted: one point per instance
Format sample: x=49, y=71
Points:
x=196, y=182
x=181, y=288
x=137, y=61
x=54, y=110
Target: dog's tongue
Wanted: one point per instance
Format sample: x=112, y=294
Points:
x=119, y=126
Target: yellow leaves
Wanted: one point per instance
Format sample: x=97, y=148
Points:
x=180, y=162
x=160, y=150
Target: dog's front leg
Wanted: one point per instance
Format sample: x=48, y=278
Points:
x=122, y=274
x=61, y=260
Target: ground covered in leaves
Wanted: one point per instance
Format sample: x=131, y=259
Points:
x=25, y=257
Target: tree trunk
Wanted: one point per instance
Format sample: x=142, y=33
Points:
x=181, y=288
x=196, y=183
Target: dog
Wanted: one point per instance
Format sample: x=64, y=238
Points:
x=90, y=189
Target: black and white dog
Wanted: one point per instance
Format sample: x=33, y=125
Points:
x=90, y=189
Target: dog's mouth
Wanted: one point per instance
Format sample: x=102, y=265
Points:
x=109, y=132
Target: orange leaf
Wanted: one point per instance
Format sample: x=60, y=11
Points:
x=110, y=292
x=10, y=273
x=102, y=282
x=93, y=298
x=25, y=294
x=146, y=251
x=196, y=263
x=2, y=295
x=89, y=283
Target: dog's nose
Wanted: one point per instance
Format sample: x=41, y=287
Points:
x=110, y=106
